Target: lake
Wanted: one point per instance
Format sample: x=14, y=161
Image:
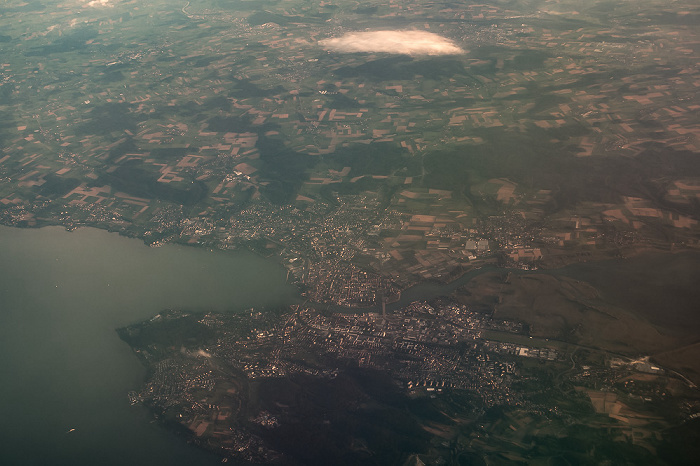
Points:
x=62, y=295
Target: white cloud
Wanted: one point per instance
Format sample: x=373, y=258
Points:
x=98, y=3
x=398, y=42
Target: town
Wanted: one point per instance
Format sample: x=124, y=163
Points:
x=216, y=374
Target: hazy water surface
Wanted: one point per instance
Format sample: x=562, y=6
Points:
x=62, y=365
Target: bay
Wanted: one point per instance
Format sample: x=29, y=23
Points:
x=62, y=365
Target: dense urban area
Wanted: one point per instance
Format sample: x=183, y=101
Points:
x=464, y=375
